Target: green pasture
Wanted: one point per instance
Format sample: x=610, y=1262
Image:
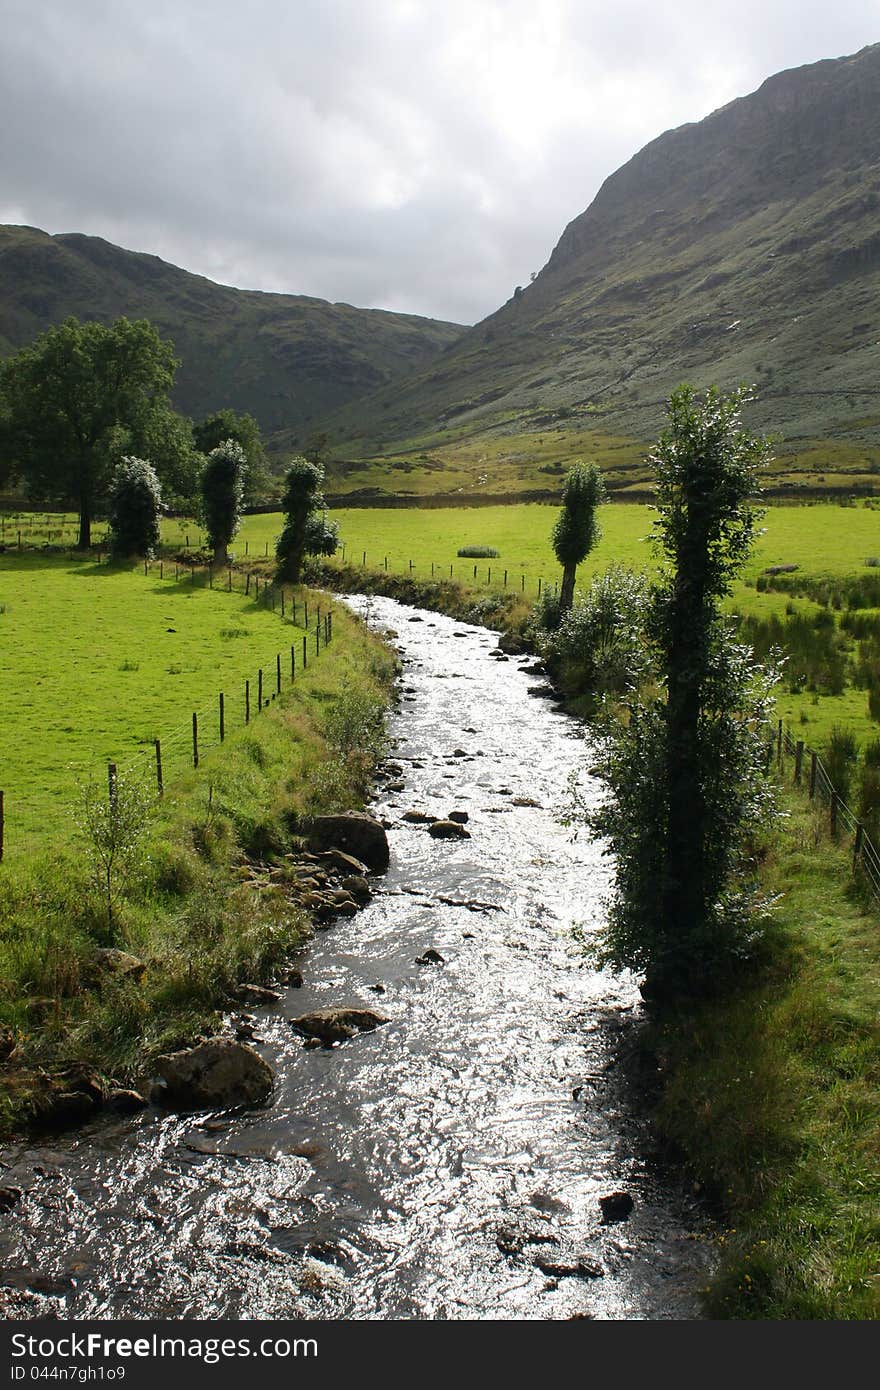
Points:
x=99, y=661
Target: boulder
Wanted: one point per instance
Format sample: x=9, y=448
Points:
x=256, y=994
x=461, y=816
x=215, y=1075
x=9, y=1197
x=512, y=644
x=448, y=830
x=346, y=863
x=431, y=957
x=418, y=817
x=356, y=834
x=357, y=886
x=337, y=1025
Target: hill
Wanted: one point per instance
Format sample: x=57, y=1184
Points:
x=287, y=359
x=745, y=247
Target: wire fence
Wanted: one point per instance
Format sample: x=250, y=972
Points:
x=308, y=630
x=811, y=774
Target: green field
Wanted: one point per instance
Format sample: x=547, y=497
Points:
x=99, y=661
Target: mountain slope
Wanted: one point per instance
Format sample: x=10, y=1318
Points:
x=745, y=247
x=287, y=359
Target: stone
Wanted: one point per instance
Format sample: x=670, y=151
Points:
x=256, y=994
x=292, y=978
x=126, y=1102
x=461, y=816
x=346, y=863
x=9, y=1197
x=110, y=961
x=337, y=1025
x=357, y=886
x=418, y=817
x=448, y=830
x=616, y=1206
x=431, y=957
x=215, y=1075
x=355, y=834
x=526, y=801
x=511, y=643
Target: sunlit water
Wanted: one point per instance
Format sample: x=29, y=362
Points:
x=418, y=1171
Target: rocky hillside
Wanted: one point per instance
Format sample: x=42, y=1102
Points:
x=745, y=247
x=287, y=359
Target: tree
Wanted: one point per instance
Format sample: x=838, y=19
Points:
x=68, y=396
x=135, y=504
x=687, y=769
x=577, y=527
x=222, y=486
x=305, y=530
x=226, y=424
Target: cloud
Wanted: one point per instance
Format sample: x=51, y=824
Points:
x=419, y=155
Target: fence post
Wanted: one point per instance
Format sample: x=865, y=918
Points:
x=798, y=760
x=539, y=588
x=306, y=618
x=505, y=579
x=814, y=764
x=386, y=564
x=305, y=652
x=247, y=584
x=247, y=702
x=522, y=583
x=278, y=673
x=229, y=579
x=857, y=847
x=260, y=689
x=210, y=576
x=292, y=664
x=410, y=567
x=318, y=635
x=159, y=785
x=282, y=600
x=222, y=719
x=195, y=739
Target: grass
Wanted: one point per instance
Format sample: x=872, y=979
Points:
x=772, y=1095
x=100, y=661
x=187, y=900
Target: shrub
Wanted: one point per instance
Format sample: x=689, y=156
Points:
x=599, y=647
x=841, y=758
x=135, y=504
x=478, y=552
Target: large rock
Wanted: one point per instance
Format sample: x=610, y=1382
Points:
x=337, y=1025
x=355, y=833
x=215, y=1075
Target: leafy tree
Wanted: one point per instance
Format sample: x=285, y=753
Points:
x=305, y=530
x=317, y=447
x=222, y=485
x=167, y=440
x=114, y=827
x=67, y=397
x=227, y=424
x=135, y=504
x=577, y=527
x=687, y=770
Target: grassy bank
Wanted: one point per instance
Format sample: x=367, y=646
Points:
x=183, y=897
x=771, y=1096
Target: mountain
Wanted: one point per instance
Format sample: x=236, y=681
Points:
x=744, y=247
x=286, y=359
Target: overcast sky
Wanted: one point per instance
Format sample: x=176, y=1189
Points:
x=418, y=155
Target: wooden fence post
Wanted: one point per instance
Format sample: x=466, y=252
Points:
x=222, y=719
x=305, y=652
x=260, y=689
x=857, y=846
x=292, y=664
x=814, y=765
x=195, y=739
x=278, y=673
x=247, y=702
x=160, y=788
x=798, y=760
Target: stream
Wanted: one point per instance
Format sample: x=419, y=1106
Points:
x=448, y=1165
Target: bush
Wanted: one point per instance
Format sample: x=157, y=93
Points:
x=478, y=552
x=599, y=646
x=840, y=760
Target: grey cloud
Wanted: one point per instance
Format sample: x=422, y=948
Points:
x=411, y=154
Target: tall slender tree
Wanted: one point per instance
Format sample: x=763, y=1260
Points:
x=577, y=526
x=222, y=485
x=687, y=768
x=306, y=530
x=135, y=504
